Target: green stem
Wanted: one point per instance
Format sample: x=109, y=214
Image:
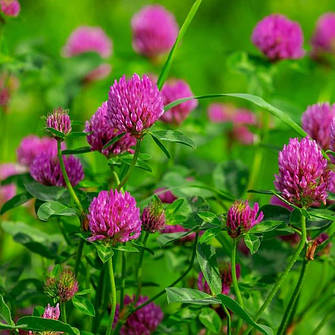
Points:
x=133, y=163
x=123, y=278
x=172, y=284
x=235, y=283
x=289, y=309
x=139, y=267
x=284, y=275
x=66, y=178
x=228, y=319
x=112, y=297
x=97, y=301
x=78, y=258
x=63, y=311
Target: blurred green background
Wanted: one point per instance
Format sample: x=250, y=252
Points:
x=213, y=58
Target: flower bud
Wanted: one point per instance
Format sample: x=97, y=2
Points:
x=60, y=121
x=153, y=216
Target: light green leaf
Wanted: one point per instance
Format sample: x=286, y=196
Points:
x=189, y=296
x=51, y=208
x=5, y=312
x=83, y=305
x=210, y=319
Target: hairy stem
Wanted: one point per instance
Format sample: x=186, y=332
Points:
x=284, y=275
x=133, y=163
x=139, y=267
x=63, y=311
x=112, y=297
x=292, y=303
x=123, y=278
x=228, y=319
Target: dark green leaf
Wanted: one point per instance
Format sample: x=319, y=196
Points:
x=210, y=319
x=189, y=296
x=113, y=140
x=77, y=151
x=207, y=260
x=56, y=133
x=36, y=323
x=164, y=239
x=166, y=68
x=161, y=146
x=175, y=136
x=77, y=133
x=51, y=208
x=239, y=311
x=5, y=312
x=83, y=305
x=16, y=201
x=46, y=193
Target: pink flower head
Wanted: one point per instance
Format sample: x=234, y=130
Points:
x=142, y=322
x=46, y=169
x=134, y=104
x=153, y=216
x=4, y=96
x=316, y=122
x=277, y=202
x=278, y=37
x=100, y=72
x=171, y=91
x=60, y=121
x=226, y=277
x=154, y=31
x=166, y=197
x=10, y=7
x=31, y=146
x=114, y=216
x=99, y=133
x=303, y=175
x=323, y=39
x=241, y=217
x=88, y=39
x=51, y=312
x=7, y=191
x=243, y=135
x=218, y=112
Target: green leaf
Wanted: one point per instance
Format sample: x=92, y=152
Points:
x=56, y=133
x=83, y=305
x=189, y=296
x=105, y=252
x=14, y=202
x=164, y=239
x=36, y=323
x=113, y=140
x=239, y=311
x=166, y=68
x=210, y=319
x=77, y=133
x=46, y=193
x=126, y=248
x=161, y=146
x=33, y=239
x=78, y=151
x=252, y=242
x=5, y=312
x=207, y=260
x=51, y=208
x=174, y=136
x=252, y=98
x=232, y=177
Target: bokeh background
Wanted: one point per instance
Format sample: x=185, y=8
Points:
x=214, y=58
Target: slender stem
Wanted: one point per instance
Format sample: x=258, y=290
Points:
x=284, y=275
x=289, y=309
x=66, y=178
x=98, y=298
x=78, y=257
x=139, y=267
x=63, y=311
x=133, y=163
x=323, y=322
x=175, y=282
x=228, y=319
x=112, y=297
x=235, y=283
x=123, y=278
